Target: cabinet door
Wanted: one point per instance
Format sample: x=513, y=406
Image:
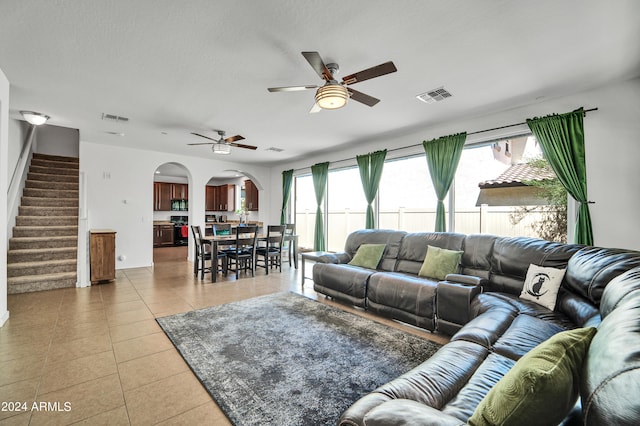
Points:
x=222, y=197
x=156, y=235
x=103, y=256
x=162, y=193
x=209, y=198
x=166, y=235
x=251, y=196
x=179, y=191
x=231, y=198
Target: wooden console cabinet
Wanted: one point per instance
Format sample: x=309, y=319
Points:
x=102, y=255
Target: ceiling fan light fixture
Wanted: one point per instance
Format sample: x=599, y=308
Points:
x=34, y=118
x=221, y=148
x=332, y=96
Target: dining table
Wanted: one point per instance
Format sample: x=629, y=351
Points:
x=219, y=240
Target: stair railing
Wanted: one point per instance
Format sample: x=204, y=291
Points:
x=18, y=179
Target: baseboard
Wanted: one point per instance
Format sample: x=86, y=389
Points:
x=4, y=317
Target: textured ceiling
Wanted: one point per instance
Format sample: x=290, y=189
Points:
x=175, y=67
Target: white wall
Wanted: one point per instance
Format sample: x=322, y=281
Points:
x=56, y=140
x=4, y=186
x=17, y=136
x=611, y=144
x=120, y=194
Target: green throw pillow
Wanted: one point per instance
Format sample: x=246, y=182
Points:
x=542, y=387
x=439, y=262
x=368, y=255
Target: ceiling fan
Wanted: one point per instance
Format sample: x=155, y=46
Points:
x=333, y=95
x=223, y=145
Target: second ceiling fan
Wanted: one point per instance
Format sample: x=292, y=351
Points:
x=222, y=145
x=332, y=94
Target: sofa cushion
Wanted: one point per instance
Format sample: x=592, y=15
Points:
x=478, y=250
x=342, y=282
x=542, y=386
x=541, y=285
x=392, y=239
x=368, y=255
x=439, y=262
x=414, y=248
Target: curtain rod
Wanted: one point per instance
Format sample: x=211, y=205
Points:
x=471, y=133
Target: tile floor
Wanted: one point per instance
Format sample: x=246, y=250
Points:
x=96, y=355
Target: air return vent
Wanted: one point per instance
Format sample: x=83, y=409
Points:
x=435, y=95
x=112, y=117
x=274, y=149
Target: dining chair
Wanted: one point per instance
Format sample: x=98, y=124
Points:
x=221, y=229
x=271, y=253
x=242, y=255
x=289, y=231
x=202, y=252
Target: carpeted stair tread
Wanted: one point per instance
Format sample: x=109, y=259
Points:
x=51, y=177
x=50, y=193
x=52, y=157
x=45, y=231
x=49, y=202
x=52, y=170
x=41, y=254
x=45, y=184
x=41, y=267
x=18, y=243
x=30, y=283
x=46, y=220
x=47, y=211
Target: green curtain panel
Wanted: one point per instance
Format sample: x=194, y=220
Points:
x=319, y=172
x=370, y=166
x=443, y=156
x=562, y=140
x=287, y=180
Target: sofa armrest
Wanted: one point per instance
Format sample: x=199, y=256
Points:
x=453, y=302
x=401, y=412
x=467, y=280
x=335, y=258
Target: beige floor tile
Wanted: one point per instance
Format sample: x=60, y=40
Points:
x=165, y=399
x=120, y=318
x=18, y=419
x=116, y=417
x=161, y=309
x=66, y=332
x=16, y=394
x=132, y=330
x=78, y=348
x=21, y=369
x=207, y=414
x=131, y=305
x=82, y=317
x=85, y=400
x=60, y=375
x=16, y=351
x=142, y=371
x=141, y=346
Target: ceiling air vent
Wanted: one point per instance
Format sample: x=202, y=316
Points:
x=116, y=118
x=435, y=95
x=274, y=149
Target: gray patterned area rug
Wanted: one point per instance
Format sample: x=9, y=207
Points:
x=284, y=359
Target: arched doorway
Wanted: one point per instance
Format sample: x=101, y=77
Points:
x=171, y=213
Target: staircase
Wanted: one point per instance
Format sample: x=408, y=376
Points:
x=43, y=250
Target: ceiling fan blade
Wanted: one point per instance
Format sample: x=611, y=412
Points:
x=315, y=108
x=369, y=73
x=203, y=136
x=291, y=88
x=241, y=145
x=234, y=138
x=203, y=143
x=317, y=64
x=362, y=97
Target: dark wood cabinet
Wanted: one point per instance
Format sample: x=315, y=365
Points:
x=102, y=255
x=179, y=191
x=250, y=196
x=220, y=198
x=164, y=192
x=161, y=196
x=163, y=235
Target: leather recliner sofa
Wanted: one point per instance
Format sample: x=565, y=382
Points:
x=493, y=328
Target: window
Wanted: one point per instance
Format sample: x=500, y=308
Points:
x=346, y=206
x=407, y=200
x=305, y=210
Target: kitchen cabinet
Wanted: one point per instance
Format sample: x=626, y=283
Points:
x=250, y=196
x=102, y=255
x=163, y=235
x=164, y=192
x=220, y=198
x=162, y=196
x=179, y=191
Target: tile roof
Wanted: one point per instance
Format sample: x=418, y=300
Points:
x=516, y=175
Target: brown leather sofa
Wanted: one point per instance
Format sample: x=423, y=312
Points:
x=491, y=329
